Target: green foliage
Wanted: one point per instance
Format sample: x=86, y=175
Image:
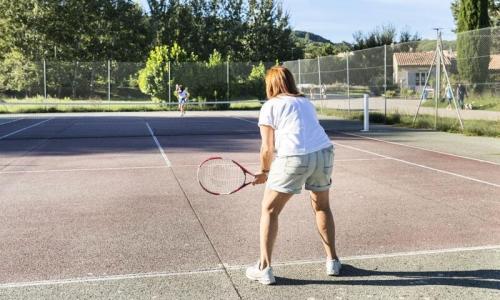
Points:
x=18, y=74
x=382, y=35
x=493, y=11
x=256, y=80
x=74, y=30
x=473, y=47
x=153, y=79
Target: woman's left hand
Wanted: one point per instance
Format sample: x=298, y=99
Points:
x=260, y=178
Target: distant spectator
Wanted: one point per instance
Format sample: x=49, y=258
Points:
x=449, y=95
x=323, y=91
x=461, y=93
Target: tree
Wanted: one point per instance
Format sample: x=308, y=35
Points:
x=74, y=30
x=153, y=79
x=493, y=11
x=268, y=34
x=473, y=43
x=382, y=35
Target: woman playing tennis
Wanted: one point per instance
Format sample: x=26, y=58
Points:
x=304, y=157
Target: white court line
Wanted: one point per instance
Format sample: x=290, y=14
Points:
x=11, y=121
x=420, y=148
x=403, y=145
x=421, y=166
x=234, y=267
x=105, y=278
x=410, y=163
x=251, y=122
x=25, y=128
x=257, y=163
x=167, y=161
x=83, y=170
x=379, y=256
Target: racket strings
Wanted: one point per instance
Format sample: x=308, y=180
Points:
x=221, y=176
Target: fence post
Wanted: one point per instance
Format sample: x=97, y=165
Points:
x=319, y=84
x=227, y=79
x=109, y=80
x=348, y=85
x=169, y=85
x=437, y=92
x=300, y=86
x=44, y=79
x=385, y=82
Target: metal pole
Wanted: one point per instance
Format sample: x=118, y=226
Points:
x=320, y=88
x=425, y=87
x=385, y=82
x=300, y=86
x=227, y=72
x=169, y=85
x=44, y=79
x=348, y=86
x=448, y=86
x=366, y=113
x=109, y=80
x=438, y=80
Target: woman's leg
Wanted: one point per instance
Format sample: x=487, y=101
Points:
x=320, y=202
x=272, y=204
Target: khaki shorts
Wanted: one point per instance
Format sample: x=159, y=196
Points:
x=289, y=174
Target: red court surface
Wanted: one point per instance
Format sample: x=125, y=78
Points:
x=109, y=207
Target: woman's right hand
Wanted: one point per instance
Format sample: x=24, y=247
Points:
x=260, y=178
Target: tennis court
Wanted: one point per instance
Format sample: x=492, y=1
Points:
x=108, y=206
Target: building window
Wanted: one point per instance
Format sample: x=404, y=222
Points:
x=420, y=78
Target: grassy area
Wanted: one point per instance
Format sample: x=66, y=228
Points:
x=40, y=105
x=478, y=103
x=471, y=127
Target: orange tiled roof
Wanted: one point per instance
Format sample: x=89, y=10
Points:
x=418, y=58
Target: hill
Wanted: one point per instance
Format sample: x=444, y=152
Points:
x=310, y=37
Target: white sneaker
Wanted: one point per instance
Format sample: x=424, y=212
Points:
x=333, y=267
x=263, y=276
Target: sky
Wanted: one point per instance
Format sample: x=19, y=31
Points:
x=337, y=20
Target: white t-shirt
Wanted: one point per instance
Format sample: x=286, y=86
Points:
x=296, y=127
x=182, y=96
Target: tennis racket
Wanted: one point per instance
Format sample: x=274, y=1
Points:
x=219, y=176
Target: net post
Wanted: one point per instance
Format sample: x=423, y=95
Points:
x=366, y=113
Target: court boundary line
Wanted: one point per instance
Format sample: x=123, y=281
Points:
x=380, y=256
x=165, y=158
x=149, y=167
x=419, y=148
x=337, y=160
x=25, y=128
x=11, y=121
x=220, y=269
x=396, y=143
x=83, y=169
x=106, y=278
x=421, y=166
x=408, y=162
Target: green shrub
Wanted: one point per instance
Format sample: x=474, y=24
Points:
x=18, y=75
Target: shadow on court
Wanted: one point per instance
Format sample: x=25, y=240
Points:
x=68, y=136
x=485, y=279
